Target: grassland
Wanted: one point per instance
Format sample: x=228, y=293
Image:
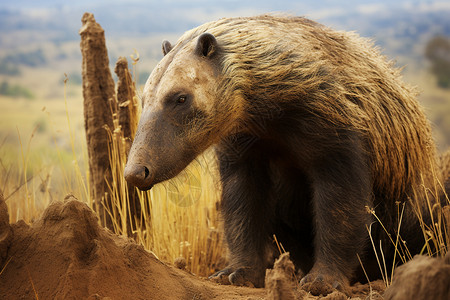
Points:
x=36, y=156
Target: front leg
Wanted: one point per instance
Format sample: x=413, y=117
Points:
x=247, y=214
x=342, y=190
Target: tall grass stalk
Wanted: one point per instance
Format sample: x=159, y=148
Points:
x=29, y=182
x=82, y=183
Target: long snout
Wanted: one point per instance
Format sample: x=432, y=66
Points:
x=159, y=152
x=139, y=176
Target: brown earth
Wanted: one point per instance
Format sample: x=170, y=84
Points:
x=66, y=255
x=422, y=278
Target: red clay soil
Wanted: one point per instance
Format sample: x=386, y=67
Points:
x=66, y=255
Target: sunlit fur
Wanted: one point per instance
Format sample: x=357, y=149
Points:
x=339, y=77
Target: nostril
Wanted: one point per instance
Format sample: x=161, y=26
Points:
x=147, y=172
x=138, y=176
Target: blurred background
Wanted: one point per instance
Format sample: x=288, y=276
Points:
x=41, y=123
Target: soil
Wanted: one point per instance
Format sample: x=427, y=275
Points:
x=66, y=255
x=422, y=278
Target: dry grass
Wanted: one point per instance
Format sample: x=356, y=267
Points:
x=179, y=218
x=40, y=154
x=436, y=235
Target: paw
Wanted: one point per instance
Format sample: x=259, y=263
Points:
x=244, y=276
x=318, y=284
x=221, y=277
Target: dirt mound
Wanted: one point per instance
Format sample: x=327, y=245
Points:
x=422, y=278
x=66, y=255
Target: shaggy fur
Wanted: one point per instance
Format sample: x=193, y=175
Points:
x=337, y=77
x=314, y=130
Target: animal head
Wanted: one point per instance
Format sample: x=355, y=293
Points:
x=179, y=115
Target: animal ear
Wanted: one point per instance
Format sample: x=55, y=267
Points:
x=206, y=45
x=166, y=47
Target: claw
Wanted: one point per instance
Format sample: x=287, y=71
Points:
x=337, y=285
x=310, y=278
x=317, y=285
x=221, y=277
x=240, y=278
x=243, y=276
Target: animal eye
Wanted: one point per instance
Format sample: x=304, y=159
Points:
x=181, y=99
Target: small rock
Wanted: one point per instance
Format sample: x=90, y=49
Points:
x=180, y=263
